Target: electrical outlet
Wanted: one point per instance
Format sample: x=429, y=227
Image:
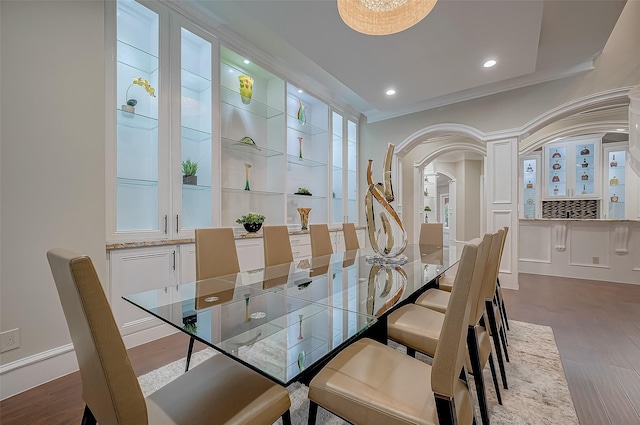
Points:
x=596, y=260
x=9, y=340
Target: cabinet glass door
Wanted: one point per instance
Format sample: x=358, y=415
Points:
x=307, y=156
x=616, y=183
x=352, y=167
x=585, y=169
x=530, y=187
x=195, y=131
x=337, y=196
x=557, y=172
x=137, y=192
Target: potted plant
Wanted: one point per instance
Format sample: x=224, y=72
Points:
x=303, y=191
x=252, y=222
x=189, y=170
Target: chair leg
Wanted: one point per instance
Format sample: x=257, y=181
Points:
x=286, y=418
x=503, y=339
x=496, y=341
x=446, y=410
x=495, y=378
x=189, y=352
x=411, y=352
x=474, y=356
x=503, y=309
x=313, y=412
x=87, y=417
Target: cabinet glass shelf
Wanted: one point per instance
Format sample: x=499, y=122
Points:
x=232, y=98
x=195, y=135
x=137, y=182
x=306, y=128
x=235, y=145
x=136, y=58
x=192, y=187
x=195, y=82
x=294, y=195
x=135, y=120
x=304, y=162
x=249, y=192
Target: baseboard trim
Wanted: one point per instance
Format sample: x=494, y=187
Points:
x=29, y=372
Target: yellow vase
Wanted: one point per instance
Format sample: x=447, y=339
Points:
x=246, y=88
x=304, y=217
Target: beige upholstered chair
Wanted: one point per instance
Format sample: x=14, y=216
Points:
x=437, y=299
x=216, y=253
x=350, y=237
x=431, y=234
x=219, y=390
x=277, y=247
x=216, y=256
x=320, y=240
x=419, y=328
x=499, y=297
x=371, y=383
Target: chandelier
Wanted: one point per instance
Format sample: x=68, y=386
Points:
x=382, y=17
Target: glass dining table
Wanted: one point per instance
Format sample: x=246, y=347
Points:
x=286, y=321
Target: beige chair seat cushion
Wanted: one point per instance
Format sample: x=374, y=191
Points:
x=445, y=283
x=416, y=327
x=220, y=391
x=435, y=299
x=370, y=383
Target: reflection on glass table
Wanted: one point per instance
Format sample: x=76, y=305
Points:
x=281, y=320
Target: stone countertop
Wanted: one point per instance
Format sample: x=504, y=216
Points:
x=597, y=220
x=238, y=236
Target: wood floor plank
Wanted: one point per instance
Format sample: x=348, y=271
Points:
x=630, y=383
x=612, y=395
x=589, y=407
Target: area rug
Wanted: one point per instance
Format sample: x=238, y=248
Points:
x=537, y=394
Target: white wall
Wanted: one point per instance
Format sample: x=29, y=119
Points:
x=618, y=66
x=52, y=147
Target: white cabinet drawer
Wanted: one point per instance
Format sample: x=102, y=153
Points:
x=301, y=251
x=297, y=240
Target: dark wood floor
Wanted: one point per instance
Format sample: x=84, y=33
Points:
x=596, y=324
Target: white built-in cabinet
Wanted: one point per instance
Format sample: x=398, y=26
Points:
x=164, y=117
x=254, y=153
x=572, y=168
x=176, y=100
x=530, y=177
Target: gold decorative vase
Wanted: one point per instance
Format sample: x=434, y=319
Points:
x=304, y=217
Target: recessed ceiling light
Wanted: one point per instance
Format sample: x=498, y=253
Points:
x=391, y=92
x=300, y=91
x=490, y=63
x=247, y=61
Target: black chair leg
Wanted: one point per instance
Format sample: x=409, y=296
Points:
x=495, y=378
x=411, y=352
x=313, y=412
x=504, y=313
x=496, y=341
x=286, y=418
x=87, y=417
x=446, y=410
x=476, y=366
x=189, y=352
x=503, y=339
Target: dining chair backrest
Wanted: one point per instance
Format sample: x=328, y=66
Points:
x=504, y=241
x=277, y=246
x=350, y=237
x=216, y=253
x=493, y=265
x=484, y=247
x=109, y=385
x=431, y=234
x=449, y=357
x=320, y=240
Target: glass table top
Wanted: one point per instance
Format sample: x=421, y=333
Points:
x=282, y=319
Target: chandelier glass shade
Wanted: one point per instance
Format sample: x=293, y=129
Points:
x=383, y=17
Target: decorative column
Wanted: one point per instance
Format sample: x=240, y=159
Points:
x=621, y=238
x=561, y=235
x=634, y=130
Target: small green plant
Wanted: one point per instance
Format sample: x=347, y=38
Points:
x=189, y=168
x=303, y=191
x=427, y=208
x=251, y=218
